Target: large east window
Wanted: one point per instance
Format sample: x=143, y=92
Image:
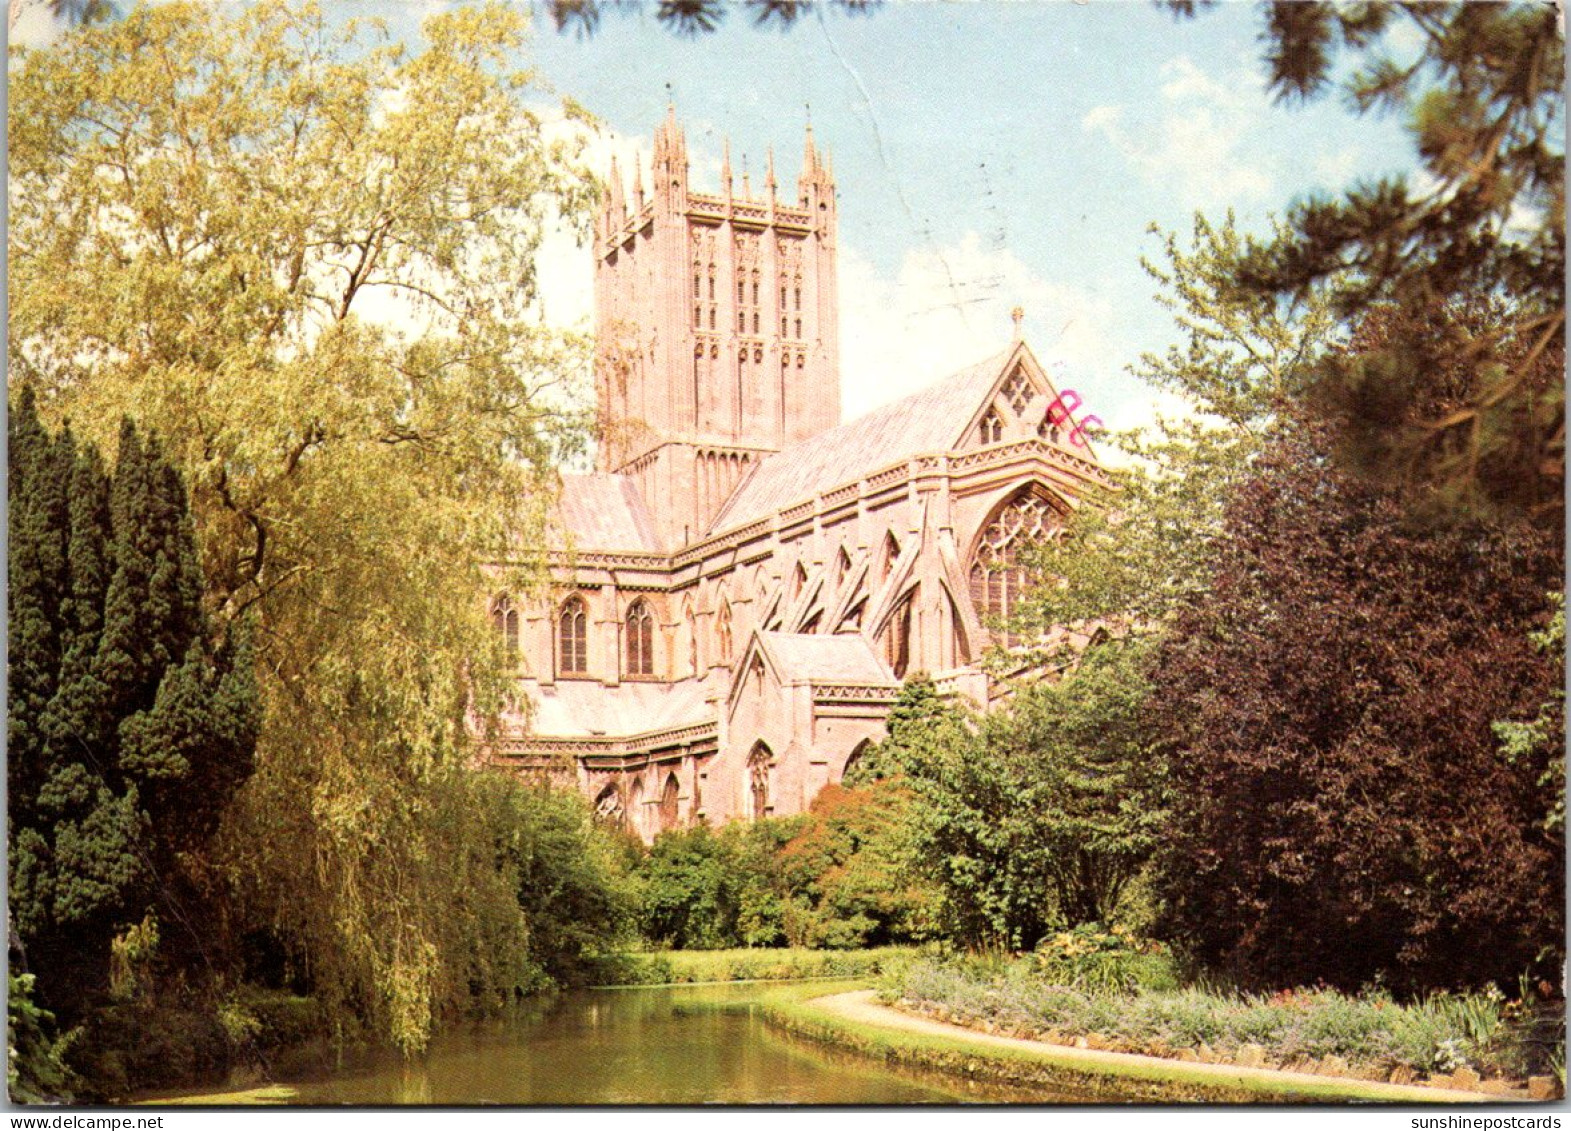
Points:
x=998, y=577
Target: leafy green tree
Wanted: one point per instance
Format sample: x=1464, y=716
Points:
x=1484, y=98
x=307, y=254
x=132, y=722
x=1541, y=741
x=690, y=891
x=1242, y=362
x=1340, y=807
x=1091, y=781
x=973, y=835
x=36, y=1069
x=576, y=893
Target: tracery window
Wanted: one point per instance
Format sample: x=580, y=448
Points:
x=997, y=578
x=640, y=639
x=992, y=428
x=609, y=808
x=690, y=625
x=504, y=618
x=572, y=637
x=1017, y=391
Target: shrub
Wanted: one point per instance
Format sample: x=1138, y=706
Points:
x=1435, y=1034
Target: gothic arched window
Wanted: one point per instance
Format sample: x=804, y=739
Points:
x=897, y=637
x=690, y=627
x=997, y=577
x=640, y=639
x=723, y=632
x=891, y=555
x=992, y=428
x=758, y=782
x=608, y=806
x=504, y=618
x=572, y=637
x=669, y=796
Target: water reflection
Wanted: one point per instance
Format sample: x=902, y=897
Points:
x=673, y=1045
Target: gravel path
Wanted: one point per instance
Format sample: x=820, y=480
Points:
x=860, y=1006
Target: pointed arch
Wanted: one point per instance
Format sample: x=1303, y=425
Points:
x=958, y=630
x=991, y=430
x=891, y=554
x=848, y=772
x=504, y=618
x=670, y=796
x=635, y=803
x=688, y=643
x=759, y=801
x=842, y=566
x=640, y=638
x=609, y=807
x=572, y=637
x=897, y=634
x=723, y=632
x=997, y=578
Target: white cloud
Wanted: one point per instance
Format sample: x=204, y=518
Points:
x=950, y=307
x=1191, y=145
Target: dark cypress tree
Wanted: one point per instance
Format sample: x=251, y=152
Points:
x=131, y=726
x=37, y=580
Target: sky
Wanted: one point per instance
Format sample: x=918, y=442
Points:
x=988, y=155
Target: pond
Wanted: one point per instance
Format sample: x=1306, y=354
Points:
x=684, y=1045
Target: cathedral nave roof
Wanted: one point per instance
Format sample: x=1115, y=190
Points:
x=603, y=511
x=930, y=420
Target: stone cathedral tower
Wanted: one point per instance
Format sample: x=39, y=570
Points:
x=716, y=328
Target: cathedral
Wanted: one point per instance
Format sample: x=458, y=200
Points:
x=741, y=585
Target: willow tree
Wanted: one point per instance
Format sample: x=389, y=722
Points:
x=306, y=254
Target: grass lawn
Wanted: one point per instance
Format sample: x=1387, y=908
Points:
x=669, y=967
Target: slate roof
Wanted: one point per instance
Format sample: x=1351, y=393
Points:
x=573, y=708
x=842, y=658
x=605, y=512
x=927, y=421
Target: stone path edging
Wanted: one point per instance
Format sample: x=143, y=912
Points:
x=859, y=1006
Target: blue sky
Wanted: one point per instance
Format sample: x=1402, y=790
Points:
x=988, y=155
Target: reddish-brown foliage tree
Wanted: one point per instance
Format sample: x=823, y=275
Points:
x=1343, y=811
